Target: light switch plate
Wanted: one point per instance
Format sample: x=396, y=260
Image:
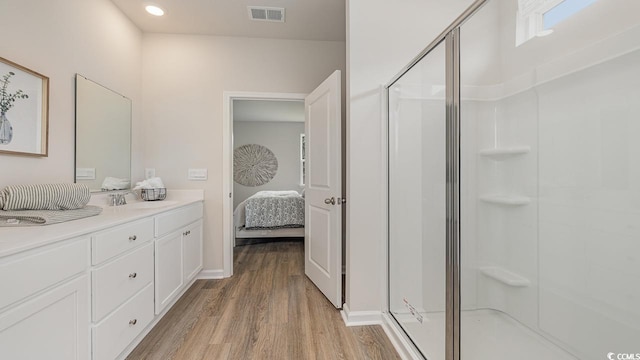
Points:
x=197, y=174
x=85, y=173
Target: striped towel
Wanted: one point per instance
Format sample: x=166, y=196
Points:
x=44, y=197
x=45, y=217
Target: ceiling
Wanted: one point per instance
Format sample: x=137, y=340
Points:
x=268, y=110
x=304, y=19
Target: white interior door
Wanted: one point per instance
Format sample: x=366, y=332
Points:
x=323, y=189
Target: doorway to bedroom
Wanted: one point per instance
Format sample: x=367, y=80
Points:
x=268, y=170
x=248, y=163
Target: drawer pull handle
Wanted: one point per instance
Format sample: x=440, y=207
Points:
x=133, y=275
x=133, y=238
x=133, y=322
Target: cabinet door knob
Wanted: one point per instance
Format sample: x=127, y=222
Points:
x=188, y=232
x=133, y=275
x=133, y=322
x=133, y=238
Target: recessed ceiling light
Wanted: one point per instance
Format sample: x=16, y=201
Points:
x=154, y=10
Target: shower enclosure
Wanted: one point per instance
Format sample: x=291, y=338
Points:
x=514, y=185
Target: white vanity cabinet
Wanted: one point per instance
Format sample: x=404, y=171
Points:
x=95, y=296
x=44, y=303
x=178, y=252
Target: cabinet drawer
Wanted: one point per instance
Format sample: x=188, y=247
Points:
x=109, y=243
x=170, y=221
x=25, y=274
x=118, y=330
x=118, y=280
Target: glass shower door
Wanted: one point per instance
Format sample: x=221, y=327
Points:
x=417, y=203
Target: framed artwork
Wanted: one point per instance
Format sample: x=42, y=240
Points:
x=24, y=110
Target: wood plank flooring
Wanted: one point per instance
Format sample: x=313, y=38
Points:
x=268, y=310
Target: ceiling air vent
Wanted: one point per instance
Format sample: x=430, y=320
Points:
x=261, y=13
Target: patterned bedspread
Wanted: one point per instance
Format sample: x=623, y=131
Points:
x=274, y=209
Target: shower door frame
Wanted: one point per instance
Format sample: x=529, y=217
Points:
x=451, y=38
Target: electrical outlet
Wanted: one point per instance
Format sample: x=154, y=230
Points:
x=149, y=173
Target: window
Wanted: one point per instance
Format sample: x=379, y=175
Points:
x=563, y=11
x=302, y=159
x=538, y=17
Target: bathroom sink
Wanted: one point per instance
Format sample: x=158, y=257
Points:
x=150, y=204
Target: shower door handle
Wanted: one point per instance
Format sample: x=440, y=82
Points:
x=331, y=201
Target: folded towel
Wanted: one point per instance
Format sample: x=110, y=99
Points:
x=45, y=217
x=150, y=183
x=44, y=197
x=111, y=183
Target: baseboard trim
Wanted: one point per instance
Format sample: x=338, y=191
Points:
x=360, y=318
x=399, y=342
x=211, y=274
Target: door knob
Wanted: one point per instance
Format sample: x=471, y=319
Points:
x=331, y=201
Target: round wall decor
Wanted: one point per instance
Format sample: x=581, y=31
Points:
x=253, y=165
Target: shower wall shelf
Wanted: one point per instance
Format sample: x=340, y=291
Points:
x=504, y=153
x=503, y=199
x=505, y=276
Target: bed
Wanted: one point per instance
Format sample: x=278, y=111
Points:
x=270, y=214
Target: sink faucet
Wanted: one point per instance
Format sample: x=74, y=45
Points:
x=118, y=199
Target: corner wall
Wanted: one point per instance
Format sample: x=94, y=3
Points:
x=59, y=39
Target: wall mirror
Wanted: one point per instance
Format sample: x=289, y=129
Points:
x=103, y=137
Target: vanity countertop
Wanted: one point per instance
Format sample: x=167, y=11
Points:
x=17, y=239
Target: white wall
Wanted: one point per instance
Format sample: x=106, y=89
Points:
x=283, y=139
x=184, y=77
x=59, y=39
x=381, y=40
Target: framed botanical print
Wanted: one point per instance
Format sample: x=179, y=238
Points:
x=24, y=110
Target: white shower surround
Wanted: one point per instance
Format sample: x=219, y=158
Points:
x=573, y=241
